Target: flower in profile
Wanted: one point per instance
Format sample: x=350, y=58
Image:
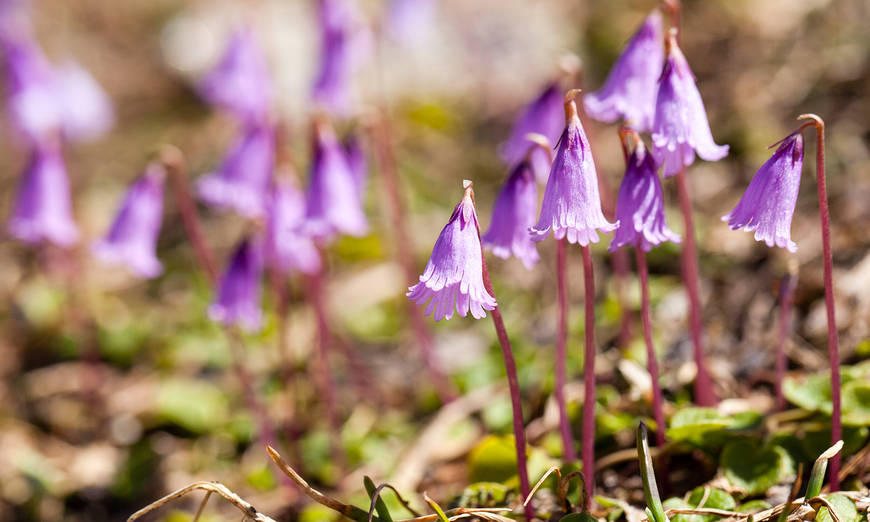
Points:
x=242, y=181
x=680, y=128
x=238, y=299
x=31, y=90
x=640, y=205
x=43, y=208
x=572, y=205
x=332, y=202
x=344, y=43
x=768, y=204
x=544, y=115
x=288, y=247
x=453, y=278
x=629, y=92
x=512, y=215
x=132, y=239
x=240, y=81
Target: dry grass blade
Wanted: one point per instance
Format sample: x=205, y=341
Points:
x=248, y=511
x=831, y=511
x=547, y=474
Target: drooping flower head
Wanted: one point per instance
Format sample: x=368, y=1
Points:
x=453, y=279
x=572, y=205
x=240, y=81
x=768, y=204
x=512, y=215
x=42, y=211
x=238, y=299
x=242, y=181
x=640, y=205
x=545, y=116
x=629, y=92
x=132, y=240
x=288, y=246
x=344, y=44
x=332, y=202
x=680, y=128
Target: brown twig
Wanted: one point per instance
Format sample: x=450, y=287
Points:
x=211, y=487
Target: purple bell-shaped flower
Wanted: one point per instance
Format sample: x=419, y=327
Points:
x=344, y=44
x=512, y=215
x=288, y=246
x=544, y=115
x=238, y=299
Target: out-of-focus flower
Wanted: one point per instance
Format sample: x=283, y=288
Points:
x=132, y=240
x=409, y=21
x=86, y=110
x=545, y=116
x=453, y=278
x=572, y=204
x=288, y=247
x=242, y=181
x=356, y=160
x=43, y=208
x=640, y=205
x=238, y=299
x=768, y=204
x=240, y=81
x=512, y=215
x=630, y=89
x=332, y=202
x=344, y=44
x=680, y=127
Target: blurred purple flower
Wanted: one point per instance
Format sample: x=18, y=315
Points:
x=630, y=89
x=768, y=204
x=356, y=161
x=572, y=205
x=513, y=214
x=238, y=299
x=240, y=81
x=344, y=45
x=454, y=273
x=43, y=208
x=132, y=240
x=544, y=115
x=640, y=205
x=288, y=247
x=680, y=127
x=332, y=201
x=242, y=181
x=86, y=110
x=409, y=21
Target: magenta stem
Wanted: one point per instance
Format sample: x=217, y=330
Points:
x=652, y=360
x=514, y=387
x=569, y=453
x=786, y=298
x=704, y=393
x=589, y=374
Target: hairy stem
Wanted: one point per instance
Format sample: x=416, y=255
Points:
x=569, y=453
x=588, y=435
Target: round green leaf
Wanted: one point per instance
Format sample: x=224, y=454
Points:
x=692, y=423
x=753, y=468
x=844, y=507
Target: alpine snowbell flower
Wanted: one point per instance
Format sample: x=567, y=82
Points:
x=43, y=208
x=768, y=205
x=453, y=278
x=544, y=115
x=680, y=127
x=242, y=181
x=132, y=240
x=572, y=205
x=332, y=202
x=240, y=81
x=640, y=206
x=238, y=299
x=629, y=92
x=344, y=42
x=512, y=215
x=356, y=160
x=288, y=248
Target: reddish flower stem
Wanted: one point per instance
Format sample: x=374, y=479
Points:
x=786, y=298
x=569, y=453
x=588, y=440
x=833, y=339
x=652, y=360
x=704, y=393
x=514, y=387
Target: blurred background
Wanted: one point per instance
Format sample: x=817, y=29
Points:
x=161, y=407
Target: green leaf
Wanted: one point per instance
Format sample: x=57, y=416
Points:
x=810, y=393
x=716, y=499
x=494, y=459
x=196, y=406
x=753, y=468
x=380, y=507
x=753, y=506
x=483, y=494
x=691, y=423
x=844, y=507
x=856, y=403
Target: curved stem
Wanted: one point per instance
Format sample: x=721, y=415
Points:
x=704, y=394
x=514, y=386
x=652, y=362
x=569, y=453
x=589, y=373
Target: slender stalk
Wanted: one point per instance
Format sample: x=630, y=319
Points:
x=704, y=393
x=652, y=360
x=833, y=339
x=514, y=386
x=569, y=453
x=786, y=297
x=588, y=435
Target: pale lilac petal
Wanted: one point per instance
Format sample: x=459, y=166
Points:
x=240, y=81
x=543, y=115
x=288, y=247
x=512, y=215
x=238, y=298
